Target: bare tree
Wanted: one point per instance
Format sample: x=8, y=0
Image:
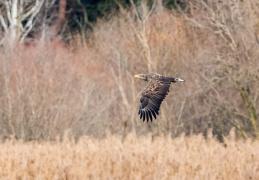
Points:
x=17, y=19
x=233, y=85
x=47, y=19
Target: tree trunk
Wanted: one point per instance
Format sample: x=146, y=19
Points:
x=13, y=24
x=61, y=15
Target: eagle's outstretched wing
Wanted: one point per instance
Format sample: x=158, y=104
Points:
x=152, y=97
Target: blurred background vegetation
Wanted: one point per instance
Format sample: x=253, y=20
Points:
x=85, y=13
x=69, y=66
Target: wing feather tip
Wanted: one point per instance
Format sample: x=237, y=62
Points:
x=150, y=115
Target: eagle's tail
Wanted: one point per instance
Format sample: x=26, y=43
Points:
x=173, y=80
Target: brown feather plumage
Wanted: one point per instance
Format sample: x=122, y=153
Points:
x=153, y=94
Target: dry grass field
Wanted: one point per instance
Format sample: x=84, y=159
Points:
x=133, y=158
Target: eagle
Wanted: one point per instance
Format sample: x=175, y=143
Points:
x=153, y=94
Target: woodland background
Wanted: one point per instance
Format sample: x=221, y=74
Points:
x=69, y=66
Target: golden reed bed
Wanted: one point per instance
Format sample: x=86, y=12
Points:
x=134, y=158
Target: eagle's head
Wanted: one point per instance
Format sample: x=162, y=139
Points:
x=141, y=76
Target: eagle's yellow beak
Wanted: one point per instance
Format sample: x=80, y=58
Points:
x=136, y=76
